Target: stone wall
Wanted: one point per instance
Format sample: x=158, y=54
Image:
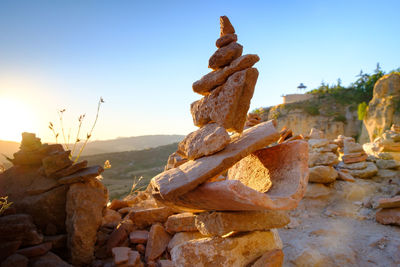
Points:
x=291, y=98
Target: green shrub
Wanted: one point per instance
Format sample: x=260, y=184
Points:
x=312, y=110
x=362, y=110
x=340, y=117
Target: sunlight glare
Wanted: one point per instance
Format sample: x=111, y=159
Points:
x=16, y=117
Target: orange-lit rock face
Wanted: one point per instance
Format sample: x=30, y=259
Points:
x=288, y=172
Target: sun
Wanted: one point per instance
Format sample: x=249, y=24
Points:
x=15, y=118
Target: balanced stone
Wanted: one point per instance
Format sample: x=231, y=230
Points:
x=226, y=26
x=225, y=40
x=323, y=174
x=225, y=55
x=228, y=104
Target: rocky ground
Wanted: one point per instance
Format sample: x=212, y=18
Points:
x=335, y=226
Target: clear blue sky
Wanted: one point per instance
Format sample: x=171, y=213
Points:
x=143, y=56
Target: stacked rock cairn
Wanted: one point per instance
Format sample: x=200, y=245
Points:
x=323, y=156
x=354, y=159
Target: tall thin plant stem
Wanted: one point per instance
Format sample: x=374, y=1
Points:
x=60, y=115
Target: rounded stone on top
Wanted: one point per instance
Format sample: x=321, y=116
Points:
x=226, y=26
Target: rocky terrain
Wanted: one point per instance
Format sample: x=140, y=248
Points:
x=238, y=191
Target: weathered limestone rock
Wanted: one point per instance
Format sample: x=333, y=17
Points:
x=385, y=203
x=322, y=174
x=182, y=222
x=139, y=236
x=207, y=140
x=189, y=175
x=70, y=170
x=251, y=172
x=117, y=204
x=226, y=26
x=82, y=175
x=228, y=104
x=111, y=217
x=147, y=217
x=345, y=176
x=85, y=203
x=272, y=258
x=327, y=159
x=351, y=147
x=287, y=164
x=237, y=250
x=174, y=160
x=216, y=78
x=225, y=55
x=388, y=216
x=56, y=162
x=317, y=143
x=354, y=157
x=353, y=166
x=222, y=223
x=182, y=237
x=35, y=251
x=366, y=173
x=121, y=254
x=225, y=40
x=387, y=164
x=317, y=191
x=385, y=173
x=157, y=243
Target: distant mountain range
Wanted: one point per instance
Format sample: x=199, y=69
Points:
x=8, y=148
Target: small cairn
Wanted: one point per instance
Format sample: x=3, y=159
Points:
x=354, y=159
x=57, y=207
x=322, y=157
x=385, y=152
x=389, y=212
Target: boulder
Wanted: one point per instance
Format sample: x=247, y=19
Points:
x=228, y=104
x=326, y=158
x=322, y=174
x=225, y=55
x=287, y=165
x=188, y=176
x=222, y=223
x=226, y=26
x=216, y=78
x=111, y=217
x=85, y=204
x=147, y=217
x=182, y=222
x=207, y=140
x=225, y=40
x=238, y=250
x=157, y=243
x=388, y=216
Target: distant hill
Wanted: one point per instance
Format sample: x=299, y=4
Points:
x=106, y=146
x=130, y=165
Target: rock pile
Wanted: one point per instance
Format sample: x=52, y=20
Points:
x=389, y=212
x=354, y=159
x=322, y=157
x=236, y=188
x=58, y=206
x=385, y=152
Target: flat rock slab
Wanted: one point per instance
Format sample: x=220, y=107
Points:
x=225, y=40
x=147, y=217
x=353, y=166
x=35, y=251
x=388, y=216
x=238, y=250
x=228, y=104
x=387, y=164
x=188, y=176
x=207, y=140
x=354, y=157
x=182, y=237
x=157, y=243
x=139, y=237
x=70, y=170
x=324, y=158
x=183, y=222
x=216, y=78
x=222, y=223
x=82, y=175
x=121, y=254
x=287, y=165
x=323, y=174
x=385, y=203
x=370, y=171
x=56, y=162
